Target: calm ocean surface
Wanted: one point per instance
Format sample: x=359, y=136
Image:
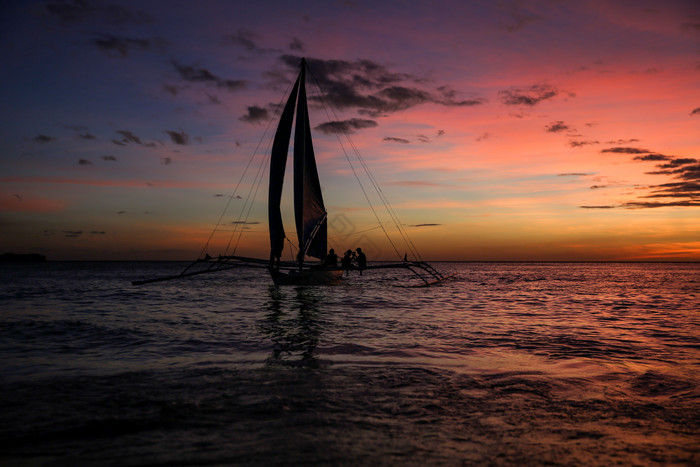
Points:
x=509, y=364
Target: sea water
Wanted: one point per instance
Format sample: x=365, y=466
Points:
x=506, y=364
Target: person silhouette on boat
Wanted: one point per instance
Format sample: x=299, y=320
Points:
x=331, y=259
x=361, y=260
x=346, y=262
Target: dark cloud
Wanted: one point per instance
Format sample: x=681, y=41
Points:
x=424, y=225
x=423, y=139
x=597, y=207
x=677, y=162
x=109, y=158
x=529, y=96
x=120, y=47
x=652, y=157
x=596, y=187
x=84, y=162
x=695, y=111
x=167, y=161
x=202, y=75
x=43, y=139
x=129, y=137
x=396, y=140
x=85, y=136
x=296, y=44
x=625, y=150
x=580, y=144
x=256, y=114
x=84, y=10
x=556, y=127
x=170, y=89
x=682, y=193
x=660, y=204
x=623, y=141
x=685, y=172
x=98, y=232
x=179, y=137
x=121, y=212
x=245, y=222
x=72, y=233
x=371, y=88
x=345, y=126
x=440, y=132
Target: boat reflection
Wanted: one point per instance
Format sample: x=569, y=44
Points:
x=292, y=323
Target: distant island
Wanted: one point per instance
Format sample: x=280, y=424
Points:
x=28, y=257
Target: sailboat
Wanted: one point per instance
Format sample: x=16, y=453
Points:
x=311, y=217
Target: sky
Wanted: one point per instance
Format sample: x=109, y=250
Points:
x=496, y=130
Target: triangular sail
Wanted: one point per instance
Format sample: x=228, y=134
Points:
x=310, y=213
x=278, y=163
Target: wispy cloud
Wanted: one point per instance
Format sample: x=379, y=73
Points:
x=202, y=75
x=556, y=127
x=651, y=157
x=129, y=137
x=391, y=139
x=179, y=137
x=43, y=139
x=72, y=233
x=684, y=193
x=119, y=46
x=256, y=114
x=580, y=144
x=530, y=96
x=625, y=150
x=346, y=126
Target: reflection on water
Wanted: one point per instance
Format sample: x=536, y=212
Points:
x=508, y=364
x=292, y=324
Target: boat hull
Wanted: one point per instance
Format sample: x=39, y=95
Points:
x=307, y=277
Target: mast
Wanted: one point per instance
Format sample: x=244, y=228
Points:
x=310, y=213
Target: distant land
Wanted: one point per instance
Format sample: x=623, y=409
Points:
x=28, y=257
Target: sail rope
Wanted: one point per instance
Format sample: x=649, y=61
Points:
x=392, y=214
x=244, y=214
x=242, y=220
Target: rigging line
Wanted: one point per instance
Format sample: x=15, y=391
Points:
x=366, y=169
x=259, y=179
x=255, y=153
x=355, y=233
x=352, y=167
x=385, y=201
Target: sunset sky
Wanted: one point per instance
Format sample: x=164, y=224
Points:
x=497, y=130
